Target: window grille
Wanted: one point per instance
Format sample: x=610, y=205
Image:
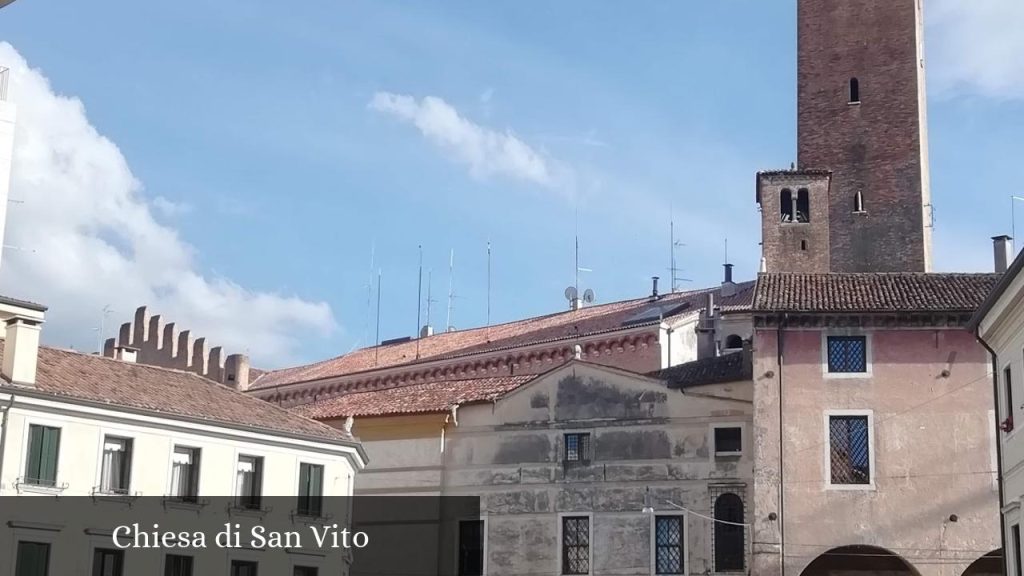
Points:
x=730, y=539
x=577, y=449
x=849, y=450
x=847, y=354
x=668, y=544
x=575, y=545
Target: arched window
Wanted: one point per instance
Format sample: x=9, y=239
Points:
x=858, y=202
x=854, y=91
x=803, y=206
x=733, y=341
x=730, y=538
x=786, y=205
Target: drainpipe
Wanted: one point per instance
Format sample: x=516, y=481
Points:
x=999, y=447
x=779, y=339
x=3, y=436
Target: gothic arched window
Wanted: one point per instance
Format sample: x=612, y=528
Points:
x=730, y=538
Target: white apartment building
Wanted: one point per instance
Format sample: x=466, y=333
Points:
x=999, y=326
x=111, y=432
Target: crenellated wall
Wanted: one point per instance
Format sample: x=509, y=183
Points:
x=162, y=345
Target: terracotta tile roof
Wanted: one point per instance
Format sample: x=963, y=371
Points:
x=717, y=370
x=569, y=324
x=22, y=303
x=172, y=393
x=414, y=398
x=872, y=292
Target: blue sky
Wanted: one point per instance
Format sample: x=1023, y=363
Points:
x=279, y=144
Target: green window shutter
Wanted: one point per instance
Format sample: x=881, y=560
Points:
x=35, y=452
x=50, y=453
x=33, y=559
x=303, y=482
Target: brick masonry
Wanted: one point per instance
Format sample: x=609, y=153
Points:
x=877, y=146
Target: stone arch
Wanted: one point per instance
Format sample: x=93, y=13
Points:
x=989, y=564
x=859, y=559
x=733, y=341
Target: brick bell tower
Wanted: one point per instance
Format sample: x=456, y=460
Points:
x=862, y=116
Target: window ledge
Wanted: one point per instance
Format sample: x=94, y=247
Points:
x=861, y=212
x=181, y=504
x=857, y=103
x=729, y=455
x=234, y=509
x=850, y=487
x=847, y=375
x=308, y=518
x=30, y=488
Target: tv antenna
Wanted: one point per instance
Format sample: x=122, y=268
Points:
x=101, y=330
x=673, y=268
x=451, y=290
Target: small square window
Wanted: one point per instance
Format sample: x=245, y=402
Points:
x=728, y=441
x=577, y=449
x=847, y=354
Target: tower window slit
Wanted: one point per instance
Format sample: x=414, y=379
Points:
x=854, y=91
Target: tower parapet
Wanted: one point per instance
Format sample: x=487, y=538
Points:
x=161, y=345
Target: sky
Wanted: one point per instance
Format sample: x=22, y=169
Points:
x=249, y=169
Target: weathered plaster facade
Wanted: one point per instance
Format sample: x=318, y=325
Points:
x=932, y=500
x=511, y=453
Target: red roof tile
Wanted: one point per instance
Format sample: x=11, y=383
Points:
x=872, y=292
x=173, y=393
x=723, y=369
x=414, y=398
x=553, y=327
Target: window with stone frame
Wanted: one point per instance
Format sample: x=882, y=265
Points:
x=577, y=449
x=575, y=545
x=849, y=450
x=847, y=354
x=669, y=541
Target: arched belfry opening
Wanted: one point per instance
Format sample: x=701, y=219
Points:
x=786, y=205
x=864, y=560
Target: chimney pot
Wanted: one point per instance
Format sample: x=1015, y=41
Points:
x=728, y=273
x=654, y=288
x=426, y=331
x=1002, y=247
x=21, y=349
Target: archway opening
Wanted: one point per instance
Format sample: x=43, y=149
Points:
x=865, y=560
x=988, y=565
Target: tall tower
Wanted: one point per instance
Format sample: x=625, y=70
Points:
x=8, y=116
x=862, y=115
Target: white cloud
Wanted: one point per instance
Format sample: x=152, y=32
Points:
x=484, y=151
x=88, y=237
x=976, y=46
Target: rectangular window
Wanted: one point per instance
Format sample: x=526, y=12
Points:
x=43, y=451
x=1016, y=548
x=311, y=489
x=248, y=482
x=305, y=571
x=185, y=474
x=847, y=354
x=728, y=441
x=668, y=544
x=575, y=545
x=117, y=465
x=849, y=450
x=177, y=565
x=244, y=568
x=577, y=449
x=33, y=559
x=471, y=548
x=107, y=562
x=1008, y=392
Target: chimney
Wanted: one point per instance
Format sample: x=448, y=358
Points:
x=764, y=265
x=654, y=288
x=126, y=354
x=728, y=286
x=427, y=331
x=1003, y=249
x=21, y=349
x=236, y=372
x=709, y=305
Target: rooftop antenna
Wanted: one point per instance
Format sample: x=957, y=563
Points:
x=101, y=331
x=673, y=268
x=369, y=293
x=430, y=301
x=376, y=349
x=419, y=304
x=488, y=283
x=451, y=290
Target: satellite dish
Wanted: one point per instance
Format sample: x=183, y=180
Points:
x=588, y=295
x=571, y=293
